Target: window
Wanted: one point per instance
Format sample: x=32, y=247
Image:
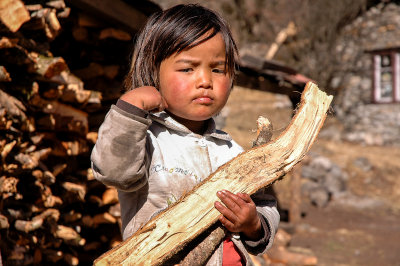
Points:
x=386, y=77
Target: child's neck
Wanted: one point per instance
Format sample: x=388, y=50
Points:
x=198, y=127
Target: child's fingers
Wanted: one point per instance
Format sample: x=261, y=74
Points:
x=231, y=201
x=245, y=197
x=227, y=213
x=227, y=224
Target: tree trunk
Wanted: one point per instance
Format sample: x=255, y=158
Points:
x=169, y=232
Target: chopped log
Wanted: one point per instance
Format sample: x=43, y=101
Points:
x=5, y=124
x=37, y=221
x=49, y=67
x=69, y=235
x=92, y=246
x=93, y=104
x=57, y=4
x=64, y=13
x=34, y=7
x=80, y=34
x=202, y=251
x=116, y=11
x=14, y=107
x=51, y=90
x=61, y=117
x=111, y=71
x=89, y=72
x=74, y=91
x=71, y=216
x=78, y=189
x=104, y=218
x=76, y=147
x=13, y=14
x=4, y=75
x=53, y=255
x=38, y=20
x=4, y=222
x=110, y=196
x=71, y=259
x=168, y=233
x=57, y=169
x=7, y=149
x=92, y=137
x=52, y=26
x=31, y=160
x=8, y=185
x=209, y=242
x=85, y=20
x=115, y=33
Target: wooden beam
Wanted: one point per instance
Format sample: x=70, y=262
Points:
x=116, y=11
x=168, y=233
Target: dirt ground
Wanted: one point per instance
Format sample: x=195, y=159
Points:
x=361, y=227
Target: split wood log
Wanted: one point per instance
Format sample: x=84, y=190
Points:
x=37, y=221
x=4, y=75
x=61, y=117
x=69, y=235
x=202, y=252
x=49, y=67
x=14, y=107
x=168, y=233
x=13, y=14
x=57, y=4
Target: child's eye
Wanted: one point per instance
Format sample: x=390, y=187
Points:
x=220, y=71
x=185, y=70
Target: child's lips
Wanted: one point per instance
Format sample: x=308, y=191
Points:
x=203, y=100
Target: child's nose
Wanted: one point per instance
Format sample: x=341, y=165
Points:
x=204, y=79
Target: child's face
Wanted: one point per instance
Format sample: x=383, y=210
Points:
x=194, y=82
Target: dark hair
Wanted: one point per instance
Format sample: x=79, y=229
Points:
x=172, y=31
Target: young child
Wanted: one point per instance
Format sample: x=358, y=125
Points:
x=160, y=140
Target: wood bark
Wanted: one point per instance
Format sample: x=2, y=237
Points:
x=168, y=233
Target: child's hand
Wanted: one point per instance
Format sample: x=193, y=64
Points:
x=239, y=214
x=147, y=98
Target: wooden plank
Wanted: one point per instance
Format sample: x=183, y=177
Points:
x=116, y=11
x=172, y=229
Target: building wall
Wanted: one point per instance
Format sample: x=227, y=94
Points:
x=365, y=121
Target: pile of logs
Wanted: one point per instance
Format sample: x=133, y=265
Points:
x=59, y=72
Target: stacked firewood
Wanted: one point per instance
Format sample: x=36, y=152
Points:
x=60, y=70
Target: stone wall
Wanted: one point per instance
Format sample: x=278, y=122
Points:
x=365, y=121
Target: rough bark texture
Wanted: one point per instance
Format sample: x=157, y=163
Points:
x=165, y=235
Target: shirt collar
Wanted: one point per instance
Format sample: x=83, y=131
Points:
x=165, y=119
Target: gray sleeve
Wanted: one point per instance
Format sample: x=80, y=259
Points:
x=119, y=157
x=268, y=212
